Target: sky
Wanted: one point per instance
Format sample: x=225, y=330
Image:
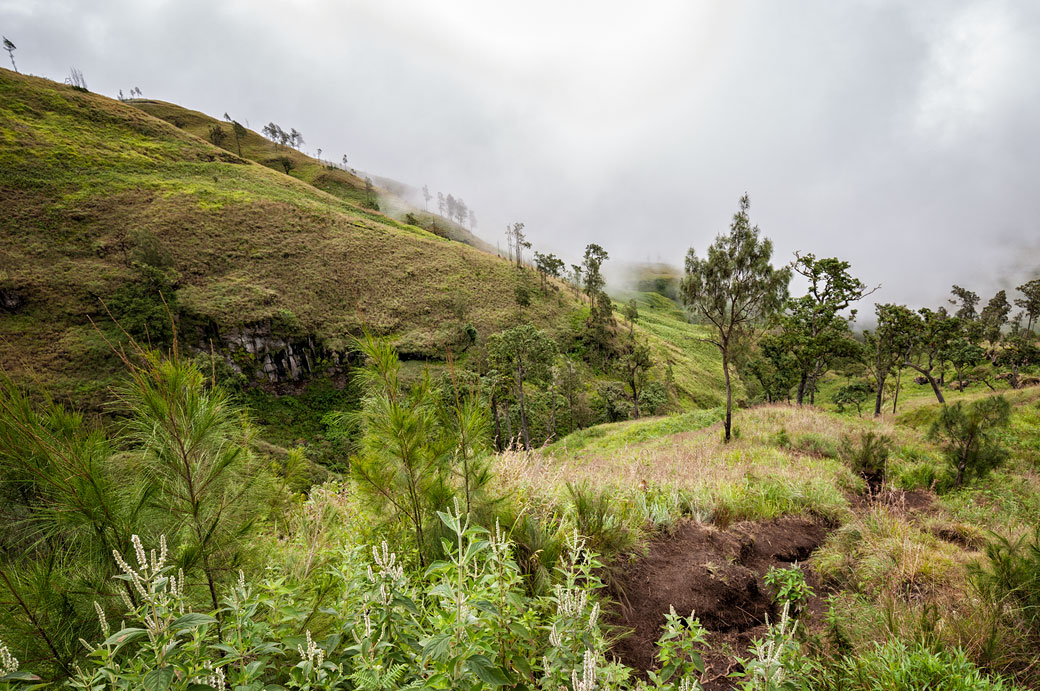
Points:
x=898, y=136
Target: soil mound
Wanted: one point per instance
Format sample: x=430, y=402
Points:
x=717, y=574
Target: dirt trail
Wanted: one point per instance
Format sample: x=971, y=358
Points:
x=715, y=573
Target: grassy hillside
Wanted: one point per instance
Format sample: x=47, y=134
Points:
x=94, y=190
x=696, y=366
x=338, y=182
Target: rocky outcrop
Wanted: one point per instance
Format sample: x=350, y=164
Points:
x=264, y=356
x=10, y=300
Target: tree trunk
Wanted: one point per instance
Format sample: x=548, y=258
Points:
x=931, y=380
x=552, y=411
x=899, y=384
x=635, y=397
x=812, y=384
x=729, y=395
x=880, y=395
x=801, y=386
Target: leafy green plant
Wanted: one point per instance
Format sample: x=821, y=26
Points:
x=679, y=651
x=790, y=588
x=777, y=663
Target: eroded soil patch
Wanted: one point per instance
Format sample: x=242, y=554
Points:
x=717, y=574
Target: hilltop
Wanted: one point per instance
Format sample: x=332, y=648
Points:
x=103, y=201
x=123, y=212
x=387, y=195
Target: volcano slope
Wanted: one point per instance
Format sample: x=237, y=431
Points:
x=106, y=207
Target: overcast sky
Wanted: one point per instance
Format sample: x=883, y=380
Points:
x=900, y=136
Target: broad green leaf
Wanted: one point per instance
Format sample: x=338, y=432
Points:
x=191, y=620
x=158, y=679
x=124, y=636
x=486, y=671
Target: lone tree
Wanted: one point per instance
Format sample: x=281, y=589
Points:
x=814, y=328
x=11, y=48
x=966, y=435
x=734, y=287
x=1030, y=302
x=523, y=353
x=240, y=132
x=425, y=192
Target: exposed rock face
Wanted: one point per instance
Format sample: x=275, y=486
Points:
x=266, y=357
x=10, y=301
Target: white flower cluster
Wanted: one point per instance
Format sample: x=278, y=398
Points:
x=311, y=653
x=147, y=568
x=587, y=681
x=216, y=679
x=389, y=570
x=8, y=662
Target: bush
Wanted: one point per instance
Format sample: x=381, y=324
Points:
x=966, y=435
x=1010, y=577
x=598, y=521
x=868, y=458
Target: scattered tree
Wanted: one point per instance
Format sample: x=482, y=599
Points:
x=11, y=48
x=286, y=163
x=547, y=265
x=965, y=301
x=968, y=438
x=218, y=136
x=994, y=316
x=928, y=337
x=632, y=314
x=1030, y=301
x=526, y=353
x=734, y=287
x=426, y=196
x=240, y=133
x=633, y=362
x=76, y=80
x=813, y=326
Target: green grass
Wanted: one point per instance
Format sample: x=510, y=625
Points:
x=696, y=366
x=85, y=178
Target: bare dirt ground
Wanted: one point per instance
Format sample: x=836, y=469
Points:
x=716, y=574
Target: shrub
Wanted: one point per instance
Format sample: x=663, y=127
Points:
x=966, y=435
x=1010, y=577
x=598, y=521
x=868, y=458
x=790, y=586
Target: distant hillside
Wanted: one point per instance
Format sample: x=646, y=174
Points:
x=325, y=175
x=102, y=201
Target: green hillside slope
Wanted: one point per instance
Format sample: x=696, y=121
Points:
x=322, y=175
x=105, y=202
